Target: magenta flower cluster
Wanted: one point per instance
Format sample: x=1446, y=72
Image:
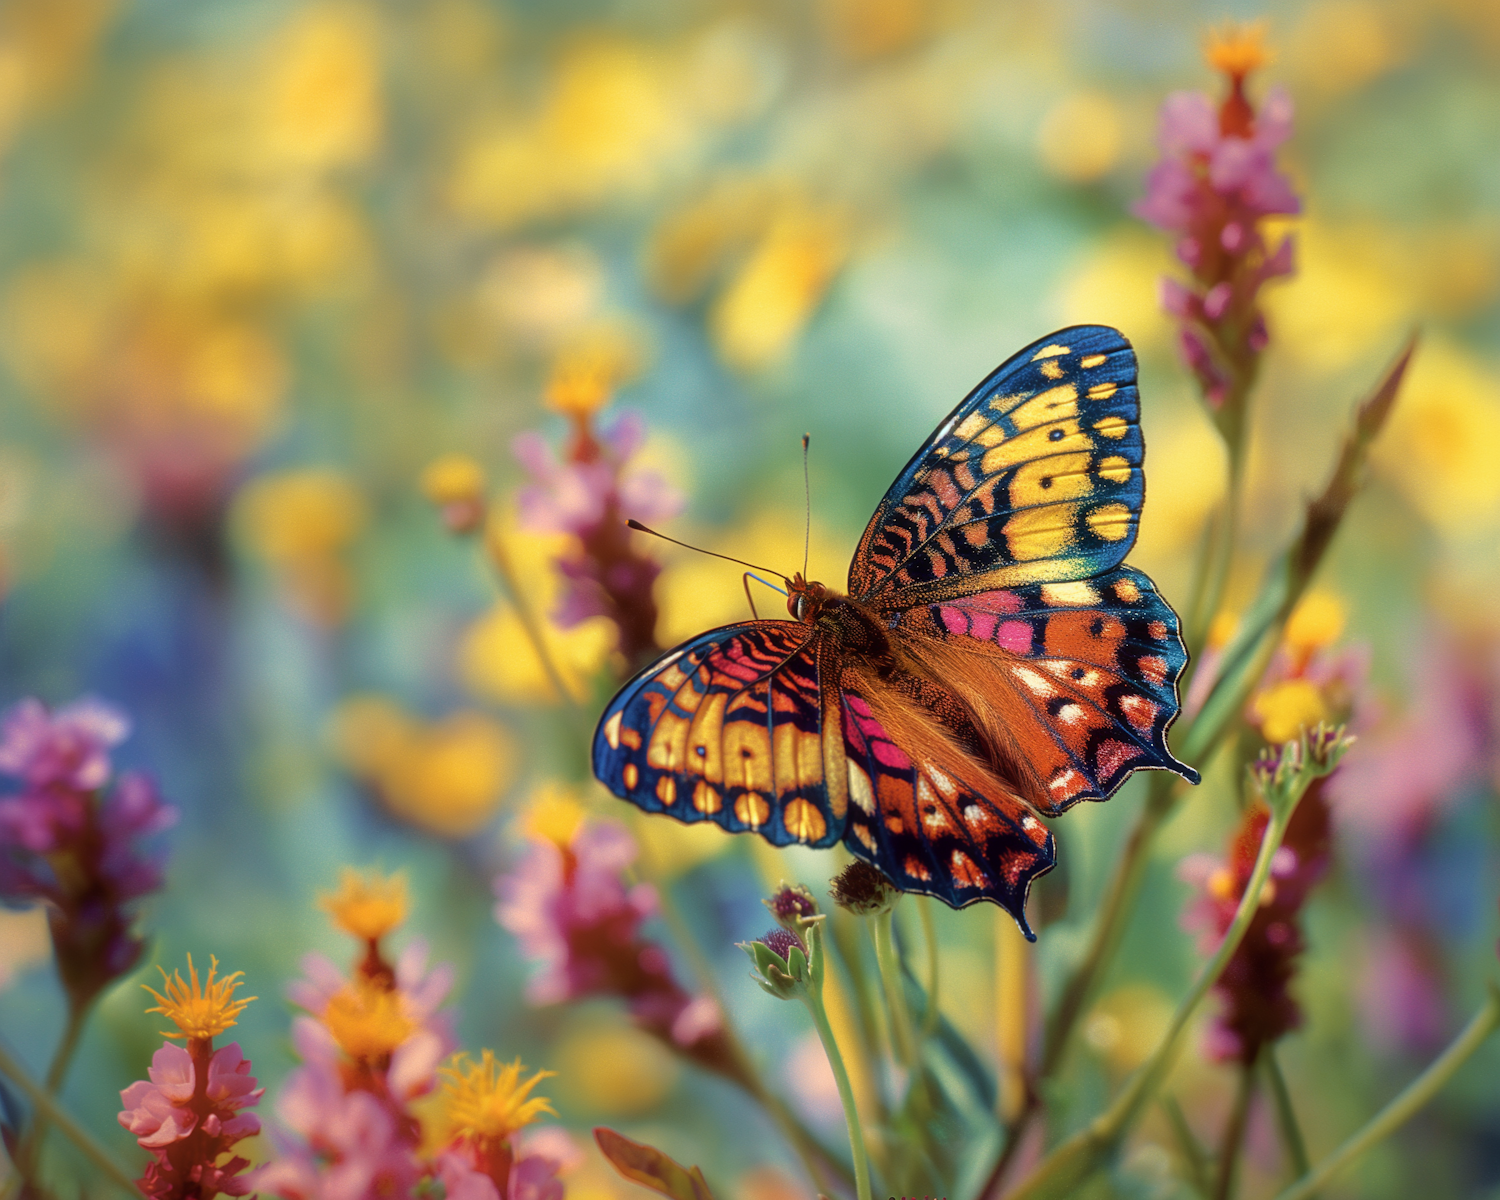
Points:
x=1217, y=178
x=590, y=492
x=69, y=839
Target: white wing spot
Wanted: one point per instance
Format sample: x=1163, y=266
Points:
x=860, y=790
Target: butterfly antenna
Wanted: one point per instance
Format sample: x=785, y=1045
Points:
x=806, y=505
x=634, y=524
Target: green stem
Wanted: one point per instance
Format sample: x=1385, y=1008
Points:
x=1187, y=1142
x=1234, y=1133
x=46, y=1106
x=1286, y=1115
x=1417, y=1093
x=929, y=937
x=28, y=1154
x=499, y=557
x=1075, y=1159
x=846, y=1095
x=895, y=992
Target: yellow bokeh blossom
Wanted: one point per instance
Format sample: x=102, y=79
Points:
x=447, y=776
x=554, y=815
x=1079, y=138
x=1440, y=445
x=367, y=906
x=1316, y=622
x=199, y=1010
x=760, y=315
x=1284, y=709
x=1118, y=282
x=486, y=1101
x=1126, y=1024
x=614, y=1070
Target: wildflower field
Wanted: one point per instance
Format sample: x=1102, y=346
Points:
x=1129, y=829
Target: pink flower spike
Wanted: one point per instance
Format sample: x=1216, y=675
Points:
x=69, y=747
x=1216, y=301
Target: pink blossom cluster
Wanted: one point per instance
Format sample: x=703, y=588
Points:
x=1217, y=178
x=71, y=840
x=590, y=492
x=573, y=913
x=187, y=1113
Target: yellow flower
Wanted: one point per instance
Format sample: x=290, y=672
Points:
x=765, y=307
x=367, y=1020
x=1317, y=621
x=1285, y=708
x=487, y=1101
x=1079, y=138
x=447, y=777
x=367, y=906
x=199, y=1011
x=292, y=516
x=1237, y=48
x=587, y=371
x=555, y=815
x=452, y=479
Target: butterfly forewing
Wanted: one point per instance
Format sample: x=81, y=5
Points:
x=1035, y=477
x=727, y=728
x=928, y=815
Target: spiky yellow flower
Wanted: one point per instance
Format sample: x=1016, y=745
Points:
x=487, y=1101
x=198, y=1011
x=367, y=1020
x=1237, y=49
x=367, y=906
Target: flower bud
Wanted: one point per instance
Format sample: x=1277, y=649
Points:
x=863, y=890
x=792, y=906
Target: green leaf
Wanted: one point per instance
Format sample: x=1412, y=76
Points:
x=649, y=1167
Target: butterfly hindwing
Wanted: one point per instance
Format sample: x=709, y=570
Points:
x=1078, y=679
x=927, y=814
x=1035, y=477
x=726, y=728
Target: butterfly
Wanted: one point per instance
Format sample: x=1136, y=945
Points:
x=991, y=664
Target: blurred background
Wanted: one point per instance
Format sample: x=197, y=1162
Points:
x=260, y=264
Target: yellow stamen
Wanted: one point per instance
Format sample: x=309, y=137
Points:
x=1285, y=708
x=198, y=1011
x=367, y=906
x=1237, y=49
x=554, y=815
x=487, y=1101
x=367, y=1020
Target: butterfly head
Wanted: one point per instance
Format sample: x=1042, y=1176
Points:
x=805, y=600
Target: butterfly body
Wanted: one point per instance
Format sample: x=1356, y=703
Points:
x=992, y=663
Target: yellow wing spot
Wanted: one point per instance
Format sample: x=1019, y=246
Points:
x=1115, y=469
x=1090, y=361
x=1102, y=391
x=1110, y=521
x=1111, y=427
x=667, y=750
x=860, y=790
x=612, y=730
x=1129, y=591
x=1077, y=594
x=867, y=839
x=631, y=775
x=706, y=799
x=1051, y=351
x=666, y=790
x=1049, y=480
x=1041, y=532
x=751, y=809
x=803, y=820
x=1055, y=404
x=1052, y=370
x=969, y=426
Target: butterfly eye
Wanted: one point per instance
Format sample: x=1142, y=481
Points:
x=801, y=606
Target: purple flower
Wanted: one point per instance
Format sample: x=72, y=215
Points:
x=69, y=748
x=70, y=840
x=589, y=493
x=570, y=908
x=1217, y=178
x=782, y=942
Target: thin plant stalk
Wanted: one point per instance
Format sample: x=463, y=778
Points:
x=28, y=1154
x=46, y=1106
x=846, y=1097
x=1286, y=1114
x=1234, y=1133
x=929, y=937
x=1187, y=1142
x=1400, y=1110
x=499, y=557
x=1011, y=962
x=895, y=991
x=1075, y=1159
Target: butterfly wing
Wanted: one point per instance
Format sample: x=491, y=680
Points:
x=929, y=815
x=728, y=728
x=1073, y=685
x=1035, y=477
